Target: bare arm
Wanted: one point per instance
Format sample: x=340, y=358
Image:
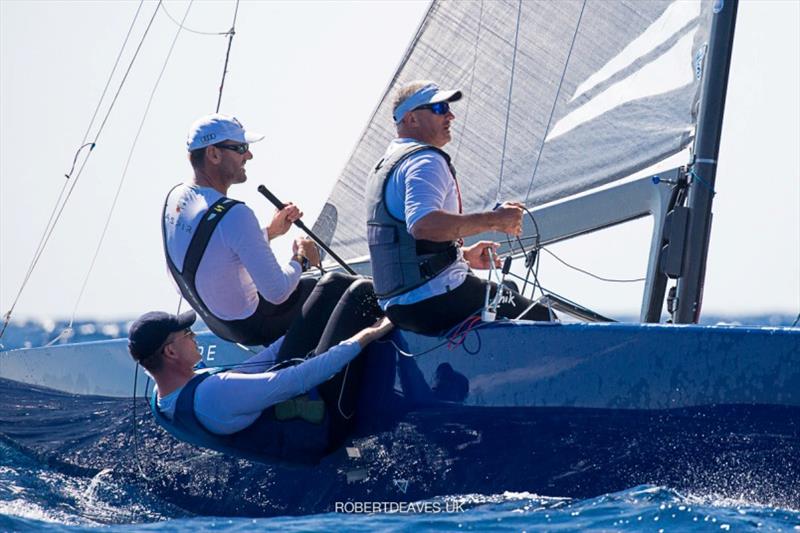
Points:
x=374, y=332
x=441, y=226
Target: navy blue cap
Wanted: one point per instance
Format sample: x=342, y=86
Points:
x=150, y=331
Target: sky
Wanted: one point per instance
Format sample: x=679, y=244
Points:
x=309, y=75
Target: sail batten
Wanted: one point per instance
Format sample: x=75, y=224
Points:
x=601, y=89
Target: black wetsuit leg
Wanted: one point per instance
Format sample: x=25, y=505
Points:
x=356, y=310
x=439, y=314
x=307, y=325
x=269, y=321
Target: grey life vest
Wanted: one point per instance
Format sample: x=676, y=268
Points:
x=400, y=262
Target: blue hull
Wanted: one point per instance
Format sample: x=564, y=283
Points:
x=735, y=450
x=564, y=410
x=629, y=366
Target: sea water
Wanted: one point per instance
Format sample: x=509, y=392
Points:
x=35, y=495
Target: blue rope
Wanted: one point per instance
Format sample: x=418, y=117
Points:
x=696, y=176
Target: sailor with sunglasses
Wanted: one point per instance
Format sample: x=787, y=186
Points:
x=415, y=224
x=221, y=260
x=257, y=409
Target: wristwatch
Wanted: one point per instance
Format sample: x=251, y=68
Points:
x=302, y=261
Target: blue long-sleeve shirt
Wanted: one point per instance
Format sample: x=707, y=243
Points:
x=230, y=401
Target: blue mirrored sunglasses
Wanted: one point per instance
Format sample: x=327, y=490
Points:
x=439, y=108
x=238, y=148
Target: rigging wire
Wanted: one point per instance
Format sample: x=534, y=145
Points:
x=634, y=79
x=601, y=278
x=135, y=432
x=127, y=166
x=532, y=259
x=471, y=84
x=231, y=33
x=181, y=26
x=508, y=104
x=538, y=247
x=546, y=291
x=190, y=30
x=55, y=214
x=555, y=102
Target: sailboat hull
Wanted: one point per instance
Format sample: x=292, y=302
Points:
x=565, y=410
x=513, y=364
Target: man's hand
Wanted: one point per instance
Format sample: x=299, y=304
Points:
x=282, y=220
x=374, y=332
x=477, y=255
x=508, y=218
x=306, y=247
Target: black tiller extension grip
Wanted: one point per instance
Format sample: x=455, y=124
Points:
x=280, y=205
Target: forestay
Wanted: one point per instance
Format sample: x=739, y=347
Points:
x=559, y=97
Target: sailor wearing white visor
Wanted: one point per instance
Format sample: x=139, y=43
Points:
x=415, y=222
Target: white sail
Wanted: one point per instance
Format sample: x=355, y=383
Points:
x=559, y=97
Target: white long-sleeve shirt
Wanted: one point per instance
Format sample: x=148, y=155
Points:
x=230, y=401
x=238, y=263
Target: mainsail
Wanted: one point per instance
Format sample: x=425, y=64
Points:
x=559, y=97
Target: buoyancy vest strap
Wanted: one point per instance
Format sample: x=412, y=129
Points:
x=446, y=253
x=186, y=430
x=186, y=278
x=399, y=156
x=434, y=264
x=202, y=235
x=291, y=440
x=400, y=262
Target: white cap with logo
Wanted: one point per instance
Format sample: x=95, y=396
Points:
x=215, y=128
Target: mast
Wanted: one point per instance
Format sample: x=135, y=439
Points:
x=704, y=168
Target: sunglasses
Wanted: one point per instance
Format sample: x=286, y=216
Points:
x=185, y=333
x=439, y=108
x=238, y=148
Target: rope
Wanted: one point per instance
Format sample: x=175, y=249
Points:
x=555, y=101
x=55, y=214
x=127, y=165
x=707, y=185
x=134, y=421
x=231, y=33
x=508, y=104
x=190, y=30
x=612, y=280
x=463, y=329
